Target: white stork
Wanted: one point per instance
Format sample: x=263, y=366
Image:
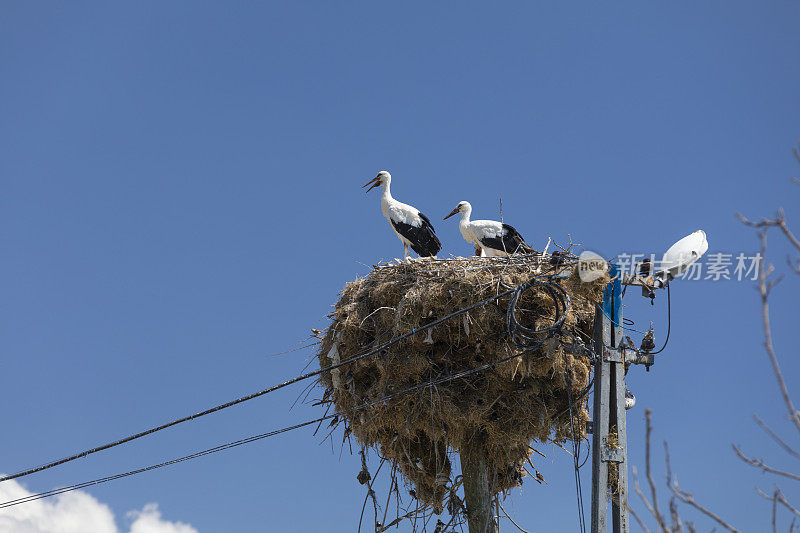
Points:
x=494, y=239
x=412, y=227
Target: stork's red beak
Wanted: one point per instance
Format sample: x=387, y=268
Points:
x=453, y=212
x=375, y=182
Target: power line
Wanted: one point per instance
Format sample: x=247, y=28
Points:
x=669, y=325
x=576, y=448
x=669, y=322
x=530, y=346
x=515, y=331
x=254, y=438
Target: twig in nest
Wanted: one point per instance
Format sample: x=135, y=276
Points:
x=568, y=248
x=370, y=491
x=537, y=451
x=507, y=516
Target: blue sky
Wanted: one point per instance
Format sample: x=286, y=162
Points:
x=181, y=199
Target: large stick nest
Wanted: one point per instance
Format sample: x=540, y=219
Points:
x=511, y=404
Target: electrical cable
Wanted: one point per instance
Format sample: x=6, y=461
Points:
x=524, y=337
x=669, y=322
x=623, y=326
x=511, y=309
x=254, y=438
x=576, y=448
x=530, y=345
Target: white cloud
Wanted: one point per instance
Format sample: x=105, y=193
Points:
x=148, y=520
x=76, y=512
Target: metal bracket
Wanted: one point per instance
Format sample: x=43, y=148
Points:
x=643, y=358
x=614, y=355
x=611, y=455
x=626, y=355
x=651, y=282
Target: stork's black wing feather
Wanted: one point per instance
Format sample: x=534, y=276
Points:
x=426, y=221
x=510, y=241
x=423, y=238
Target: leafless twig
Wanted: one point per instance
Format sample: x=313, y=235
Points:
x=509, y=517
x=648, y=413
x=764, y=288
x=638, y=519
x=788, y=449
x=568, y=247
x=779, y=497
x=640, y=493
x=758, y=463
x=688, y=498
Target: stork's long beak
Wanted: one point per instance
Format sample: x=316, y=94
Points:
x=375, y=182
x=453, y=212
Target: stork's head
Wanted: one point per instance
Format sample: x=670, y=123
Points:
x=382, y=179
x=462, y=207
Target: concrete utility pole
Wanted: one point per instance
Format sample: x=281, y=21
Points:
x=609, y=428
x=609, y=413
x=480, y=517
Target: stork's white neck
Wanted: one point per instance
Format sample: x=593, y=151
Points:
x=466, y=211
x=387, y=192
x=386, y=198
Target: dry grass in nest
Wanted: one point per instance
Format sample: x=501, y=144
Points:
x=513, y=403
x=612, y=441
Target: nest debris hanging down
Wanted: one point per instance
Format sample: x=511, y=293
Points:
x=512, y=404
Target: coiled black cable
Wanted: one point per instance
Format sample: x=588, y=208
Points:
x=527, y=338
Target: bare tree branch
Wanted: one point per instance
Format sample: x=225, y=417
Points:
x=648, y=413
x=638, y=519
x=784, y=226
x=758, y=463
x=688, y=498
x=775, y=512
x=763, y=289
x=788, y=449
x=677, y=524
x=794, y=266
x=780, y=498
x=638, y=490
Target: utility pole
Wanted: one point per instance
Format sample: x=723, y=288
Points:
x=480, y=516
x=609, y=427
x=609, y=432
